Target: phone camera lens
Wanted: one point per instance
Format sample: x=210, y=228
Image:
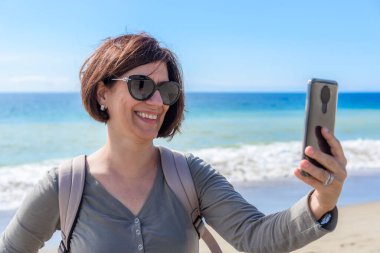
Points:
x=325, y=94
x=325, y=97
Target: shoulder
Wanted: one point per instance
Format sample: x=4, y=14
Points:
x=44, y=192
x=41, y=200
x=49, y=182
x=199, y=167
x=205, y=176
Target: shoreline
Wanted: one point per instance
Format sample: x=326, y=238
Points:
x=276, y=195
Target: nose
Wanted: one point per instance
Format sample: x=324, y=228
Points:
x=156, y=99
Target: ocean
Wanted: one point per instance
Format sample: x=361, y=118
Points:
x=254, y=139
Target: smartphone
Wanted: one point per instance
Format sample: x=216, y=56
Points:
x=320, y=109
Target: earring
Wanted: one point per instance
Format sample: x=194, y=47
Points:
x=103, y=108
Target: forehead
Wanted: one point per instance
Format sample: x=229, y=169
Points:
x=154, y=69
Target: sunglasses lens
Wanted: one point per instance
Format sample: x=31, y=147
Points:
x=169, y=92
x=140, y=87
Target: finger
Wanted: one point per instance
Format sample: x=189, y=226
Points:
x=335, y=145
x=319, y=174
x=327, y=161
x=316, y=184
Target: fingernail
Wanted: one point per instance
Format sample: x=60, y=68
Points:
x=305, y=165
x=326, y=129
x=311, y=150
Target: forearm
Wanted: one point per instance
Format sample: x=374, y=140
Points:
x=284, y=231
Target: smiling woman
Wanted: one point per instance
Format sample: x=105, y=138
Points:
x=108, y=63
x=141, y=119
x=128, y=204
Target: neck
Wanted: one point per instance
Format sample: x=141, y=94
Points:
x=126, y=158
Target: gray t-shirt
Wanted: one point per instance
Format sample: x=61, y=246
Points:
x=104, y=224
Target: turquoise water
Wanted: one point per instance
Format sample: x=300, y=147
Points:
x=35, y=127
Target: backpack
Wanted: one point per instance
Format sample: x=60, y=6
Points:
x=71, y=178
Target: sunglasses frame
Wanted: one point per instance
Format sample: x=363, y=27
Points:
x=157, y=86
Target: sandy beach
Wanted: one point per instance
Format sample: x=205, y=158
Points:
x=358, y=231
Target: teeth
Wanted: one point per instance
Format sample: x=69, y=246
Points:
x=147, y=116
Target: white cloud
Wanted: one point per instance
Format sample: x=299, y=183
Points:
x=38, y=83
x=38, y=72
x=37, y=79
x=43, y=57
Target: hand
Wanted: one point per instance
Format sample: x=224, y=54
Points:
x=324, y=197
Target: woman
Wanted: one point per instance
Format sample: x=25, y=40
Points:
x=135, y=87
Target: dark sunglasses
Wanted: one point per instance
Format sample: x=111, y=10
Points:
x=143, y=87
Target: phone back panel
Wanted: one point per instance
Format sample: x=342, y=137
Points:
x=321, y=103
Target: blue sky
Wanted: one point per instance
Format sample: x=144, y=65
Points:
x=222, y=45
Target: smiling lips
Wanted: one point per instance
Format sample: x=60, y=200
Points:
x=147, y=115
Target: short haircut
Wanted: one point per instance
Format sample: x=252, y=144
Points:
x=116, y=56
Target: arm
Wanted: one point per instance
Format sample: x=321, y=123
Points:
x=242, y=225
x=36, y=219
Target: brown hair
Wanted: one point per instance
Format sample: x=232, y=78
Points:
x=113, y=58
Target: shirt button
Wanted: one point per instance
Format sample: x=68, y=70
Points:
x=138, y=232
x=140, y=247
x=137, y=221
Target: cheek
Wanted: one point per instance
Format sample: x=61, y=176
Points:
x=166, y=109
x=121, y=106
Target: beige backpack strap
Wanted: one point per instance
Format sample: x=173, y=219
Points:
x=177, y=175
x=71, y=176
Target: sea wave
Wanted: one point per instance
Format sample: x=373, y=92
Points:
x=279, y=159
x=245, y=163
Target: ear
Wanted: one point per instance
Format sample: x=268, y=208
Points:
x=101, y=93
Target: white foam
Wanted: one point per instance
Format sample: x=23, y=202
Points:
x=362, y=155
x=239, y=164
x=278, y=160
x=253, y=162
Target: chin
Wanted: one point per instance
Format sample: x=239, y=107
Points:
x=148, y=136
